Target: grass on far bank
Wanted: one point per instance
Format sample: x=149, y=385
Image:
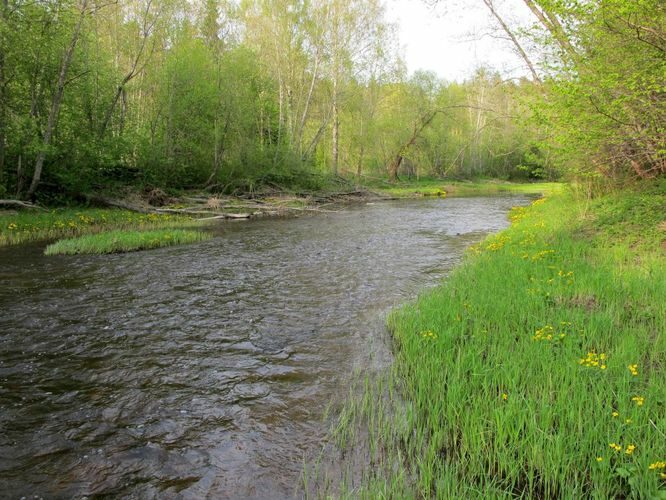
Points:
x=22, y=227
x=538, y=368
x=438, y=187
x=124, y=241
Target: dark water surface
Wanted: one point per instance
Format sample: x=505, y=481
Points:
x=205, y=370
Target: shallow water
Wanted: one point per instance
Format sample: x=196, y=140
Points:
x=206, y=370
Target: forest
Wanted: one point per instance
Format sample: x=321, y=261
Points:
x=230, y=96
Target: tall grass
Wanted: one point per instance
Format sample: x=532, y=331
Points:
x=537, y=370
x=124, y=241
x=67, y=223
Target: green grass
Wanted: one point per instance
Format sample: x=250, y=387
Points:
x=22, y=227
x=537, y=370
x=124, y=241
x=438, y=187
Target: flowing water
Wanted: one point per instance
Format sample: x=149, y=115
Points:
x=206, y=370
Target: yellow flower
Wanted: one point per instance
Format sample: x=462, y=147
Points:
x=633, y=369
x=428, y=334
x=615, y=446
x=630, y=449
x=639, y=400
x=12, y=226
x=615, y=414
x=593, y=360
x=505, y=396
x=600, y=459
x=658, y=465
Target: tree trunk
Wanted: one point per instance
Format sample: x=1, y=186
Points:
x=553, y=26
x=359, y=165
x=134, y=71
x=514, y=40
x=57, y=101
x=19, y=175
x=109, y=112
x=3, y=101
x=394, y=166
x=306, y=108
x=219, y=151
x=280, y=119
x=336, y=76
x=3, y=98
x=336, y=128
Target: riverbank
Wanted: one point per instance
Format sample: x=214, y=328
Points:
x=537, y=369
x=439, y=187
x=156, y=210
x=192, y=210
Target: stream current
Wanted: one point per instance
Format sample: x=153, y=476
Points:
x=205, y=370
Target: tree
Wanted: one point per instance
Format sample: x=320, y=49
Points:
x=56, y=100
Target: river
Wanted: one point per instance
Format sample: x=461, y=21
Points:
x=205, y=370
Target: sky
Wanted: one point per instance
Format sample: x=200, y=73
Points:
x=454, y=39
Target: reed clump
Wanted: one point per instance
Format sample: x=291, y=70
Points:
x=124, y=241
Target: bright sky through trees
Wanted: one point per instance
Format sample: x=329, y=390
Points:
x=454, y=38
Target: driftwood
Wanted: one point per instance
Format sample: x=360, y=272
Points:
x=21, y=204
x=202, y=208
x=228, y=216
x=185, y=211
x=107, y=202
x=306, y=209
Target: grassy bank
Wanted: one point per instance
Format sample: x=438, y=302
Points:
x=124, y=241
x=537, y=370
x=22, y=227
x=438, y=187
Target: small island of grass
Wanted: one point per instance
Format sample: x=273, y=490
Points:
x=124, y=241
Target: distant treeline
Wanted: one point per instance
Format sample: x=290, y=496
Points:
x=231, y=96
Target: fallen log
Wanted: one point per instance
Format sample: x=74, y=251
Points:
x=186, y=211
x=228, y=216
x=21, y=204
x=307, y=209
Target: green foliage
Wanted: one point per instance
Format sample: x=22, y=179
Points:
x=125, y=241
x=606, y=111
x=228, y=96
